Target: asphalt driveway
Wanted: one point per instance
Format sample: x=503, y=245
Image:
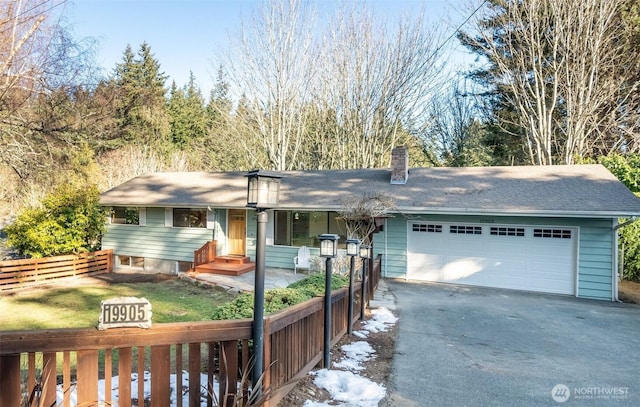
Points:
x=470, y=346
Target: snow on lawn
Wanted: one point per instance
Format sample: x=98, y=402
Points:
x=175, y=389
x=343, y=385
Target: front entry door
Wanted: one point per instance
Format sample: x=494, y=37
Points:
x=237, y=231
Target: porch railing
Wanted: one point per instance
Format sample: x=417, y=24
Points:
x=205, y=254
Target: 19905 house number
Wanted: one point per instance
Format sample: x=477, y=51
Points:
x=125, y=312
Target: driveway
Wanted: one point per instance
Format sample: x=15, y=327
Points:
x=471, y=346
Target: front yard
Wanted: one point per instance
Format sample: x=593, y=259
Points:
x=76, y=303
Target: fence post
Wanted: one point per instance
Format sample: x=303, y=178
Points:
x=10, y=390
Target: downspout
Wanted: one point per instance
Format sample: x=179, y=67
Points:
x=614, y=254
x=386, y=237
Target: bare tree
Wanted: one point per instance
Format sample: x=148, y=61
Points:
x=338, y=95
x=37, y=56
x=558, y=63
x=377, y=78
x=453, y=134
x=273, y=66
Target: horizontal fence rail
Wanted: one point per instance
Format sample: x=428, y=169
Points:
x=20, y=274
x=213, y=357
x=31, y=360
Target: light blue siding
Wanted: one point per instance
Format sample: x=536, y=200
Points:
x=595, y=264
x=155, y=240
x=595, y=238
x=595, y=261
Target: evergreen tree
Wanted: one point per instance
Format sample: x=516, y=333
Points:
x=140, y=98
x=187, y=114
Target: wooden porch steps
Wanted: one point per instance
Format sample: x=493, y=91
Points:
x=227, y=265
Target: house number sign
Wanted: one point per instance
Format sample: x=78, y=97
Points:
x=125, y=312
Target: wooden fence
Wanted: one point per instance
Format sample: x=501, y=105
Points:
x=219, y=349
x=18, y=274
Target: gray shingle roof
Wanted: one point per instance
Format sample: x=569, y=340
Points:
x=582, y=190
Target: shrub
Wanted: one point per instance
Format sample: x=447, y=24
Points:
x=313, y=285
x=630, y=243
x=241, y=307
x=70, y=220
x=281, y=298
x=627, y=170
x=278, y=298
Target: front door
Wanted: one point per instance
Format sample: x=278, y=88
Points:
x=237, y=231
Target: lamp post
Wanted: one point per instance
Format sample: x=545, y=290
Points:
x=353, y=250
x=328, y=250
x=364, y=253
x=263, y=189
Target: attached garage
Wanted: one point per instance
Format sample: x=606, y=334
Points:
x=532, y=258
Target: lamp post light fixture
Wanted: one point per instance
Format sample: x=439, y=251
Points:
x=263, y=189
x=328, y=250
x=364, y=254
x=353, y=250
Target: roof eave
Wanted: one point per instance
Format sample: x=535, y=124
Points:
x=519, y=212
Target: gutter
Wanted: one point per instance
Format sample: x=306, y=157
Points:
x=614, y=237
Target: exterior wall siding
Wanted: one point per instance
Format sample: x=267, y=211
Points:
x=595, y=263
x=155, y=240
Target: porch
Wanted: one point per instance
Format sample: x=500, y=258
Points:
x=206, y=260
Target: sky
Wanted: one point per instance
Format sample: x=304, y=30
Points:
x=188, y=35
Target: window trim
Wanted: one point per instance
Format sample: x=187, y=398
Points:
x=142, y=215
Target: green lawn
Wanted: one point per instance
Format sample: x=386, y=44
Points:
x=173, y=300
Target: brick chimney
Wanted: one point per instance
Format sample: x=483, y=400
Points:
x=399, y=165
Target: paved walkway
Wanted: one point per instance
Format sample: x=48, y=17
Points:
x=273, y=278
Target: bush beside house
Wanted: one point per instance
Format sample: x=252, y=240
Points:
x=627, y=170
x=70, y=220
x=279, y=298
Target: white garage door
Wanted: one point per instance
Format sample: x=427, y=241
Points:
x=532, y=258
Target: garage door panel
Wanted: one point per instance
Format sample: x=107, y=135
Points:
x=557, y=286
x=428, y=267
x=523, y=257
x=458, y=268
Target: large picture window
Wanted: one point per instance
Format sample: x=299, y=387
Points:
x=189, y=218
x=302, y=228
x=122, y=215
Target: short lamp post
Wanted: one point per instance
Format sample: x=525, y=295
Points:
x=263, y=190
x=353, y=250
x=364, y=254
x=328, y=250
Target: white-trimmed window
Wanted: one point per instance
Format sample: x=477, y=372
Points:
x=127, y=215
x=189, y=218
x=301, y=228
x=131, y=261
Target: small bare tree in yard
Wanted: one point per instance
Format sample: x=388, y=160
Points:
x=360, y=213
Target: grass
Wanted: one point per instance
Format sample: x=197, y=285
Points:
x=173, y=300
